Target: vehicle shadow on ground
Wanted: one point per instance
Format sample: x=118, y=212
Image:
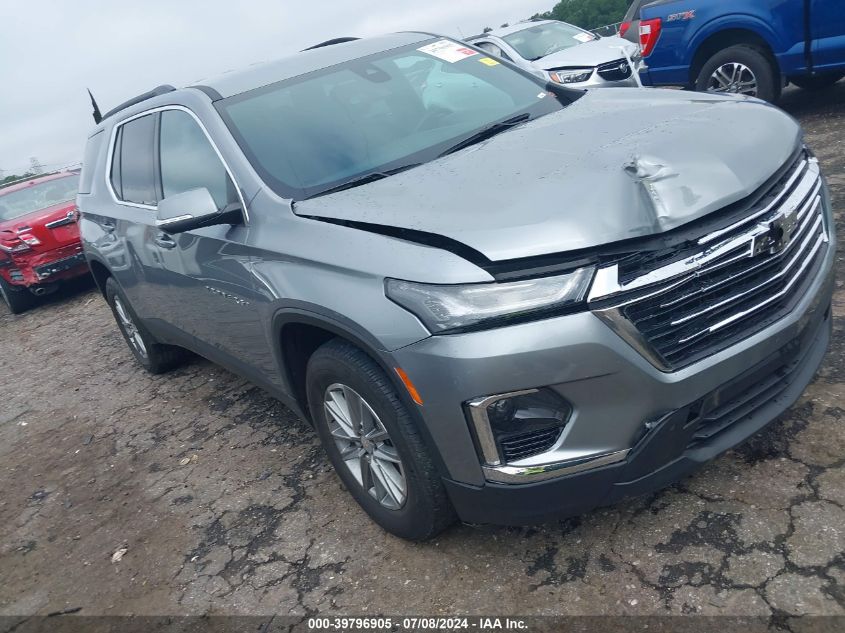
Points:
x=800, y=102
x=67, y=292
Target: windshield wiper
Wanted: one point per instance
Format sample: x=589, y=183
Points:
x=487, y=132
x=367, y=178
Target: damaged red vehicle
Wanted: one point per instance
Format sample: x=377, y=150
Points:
x=39, y=238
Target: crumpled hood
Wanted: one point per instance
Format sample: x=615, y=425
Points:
x=606, y=49
x=614, y=165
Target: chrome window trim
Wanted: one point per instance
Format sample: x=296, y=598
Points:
x=148, y=207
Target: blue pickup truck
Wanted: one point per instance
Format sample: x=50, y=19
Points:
x=746, y=46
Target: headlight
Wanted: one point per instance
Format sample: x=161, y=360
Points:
x=571, y=76
x=465, y=306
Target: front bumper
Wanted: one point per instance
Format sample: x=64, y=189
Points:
x=622, y=405
x=669, y=452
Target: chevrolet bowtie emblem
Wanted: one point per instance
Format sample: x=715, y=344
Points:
x=775, y=236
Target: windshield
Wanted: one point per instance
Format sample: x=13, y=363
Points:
x=405, y=106
x=18, y=203
x=541, y=40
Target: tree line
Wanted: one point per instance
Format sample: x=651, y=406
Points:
x=588, y=14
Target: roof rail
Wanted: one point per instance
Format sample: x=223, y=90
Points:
x=332, y=42
x=155, y=92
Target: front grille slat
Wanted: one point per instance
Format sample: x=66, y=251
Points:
x=735, y=285
x=735, y=273
x=617, y=70
x=789, y=266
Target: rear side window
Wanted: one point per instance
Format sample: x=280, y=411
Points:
x=188, y=161
x=89, y=162
x=133, y=167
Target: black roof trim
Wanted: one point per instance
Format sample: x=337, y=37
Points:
x=155, y=92
x=210, y=92
x=332, y=42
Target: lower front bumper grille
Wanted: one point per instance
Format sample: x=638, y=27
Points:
x=743, y=396
x=526, y=445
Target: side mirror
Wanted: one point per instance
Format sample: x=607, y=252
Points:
x=192, y=210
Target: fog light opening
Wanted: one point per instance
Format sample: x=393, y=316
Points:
x=514, y=426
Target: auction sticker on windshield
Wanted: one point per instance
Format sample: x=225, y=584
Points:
x=583, y=37
x=448, y=51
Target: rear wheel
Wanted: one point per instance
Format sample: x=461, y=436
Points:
x=155, y=357
x=817, y=82
x=740, y=69
x=374, y=444
x=17, y=298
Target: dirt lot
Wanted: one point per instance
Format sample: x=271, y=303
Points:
x=225, y=503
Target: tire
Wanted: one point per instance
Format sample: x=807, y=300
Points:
x=340, y=372
x=18, y=299
x=155, y=357
x=817, y=82
x=767, y=83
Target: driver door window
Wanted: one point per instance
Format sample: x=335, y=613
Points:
x=188, y=161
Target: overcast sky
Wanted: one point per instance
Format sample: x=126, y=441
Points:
x=51, y=50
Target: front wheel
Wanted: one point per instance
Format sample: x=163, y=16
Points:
x=740, y=69
x=155, y=357
x=18, y=299
x=374, y=444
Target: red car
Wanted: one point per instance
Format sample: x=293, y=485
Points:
x=39, y=238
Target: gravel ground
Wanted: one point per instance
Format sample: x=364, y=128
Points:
x=224, y=503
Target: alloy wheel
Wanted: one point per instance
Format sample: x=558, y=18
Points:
x=129, y=327
x=735, y=78
x=365, y=446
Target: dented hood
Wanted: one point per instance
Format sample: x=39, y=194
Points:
x=616, y=164
x=600, y=51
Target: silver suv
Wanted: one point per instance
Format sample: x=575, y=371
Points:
x=496, y=299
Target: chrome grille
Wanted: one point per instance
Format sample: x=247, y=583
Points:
x=737, y=280
x=616, y=70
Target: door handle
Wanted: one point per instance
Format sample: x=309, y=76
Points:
x=165, y=241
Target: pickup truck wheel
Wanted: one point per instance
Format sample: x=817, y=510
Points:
x=155, y=357
x=373, y=443
x=742, y=70
x=18, y=299
x=816, y=82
